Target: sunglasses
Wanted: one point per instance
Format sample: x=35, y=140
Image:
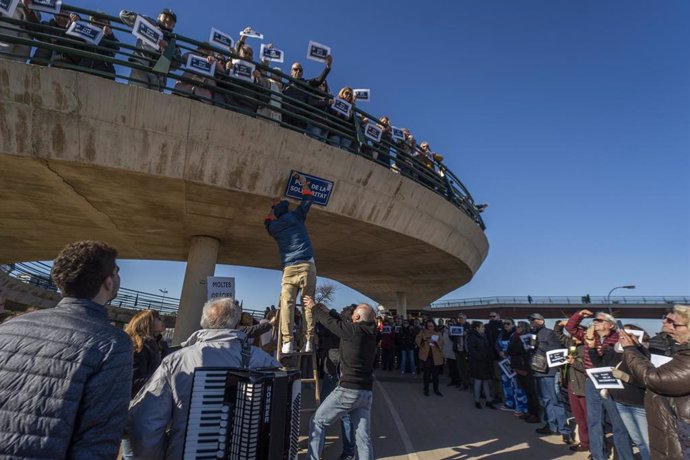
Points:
x=297, y=69
x=492, y=316
x=507, y=324
x=673, y=323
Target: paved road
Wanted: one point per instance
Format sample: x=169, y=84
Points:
x=408, y=425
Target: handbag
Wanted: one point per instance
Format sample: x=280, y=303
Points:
x=538, y=362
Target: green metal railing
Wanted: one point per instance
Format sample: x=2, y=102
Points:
x=118, y=59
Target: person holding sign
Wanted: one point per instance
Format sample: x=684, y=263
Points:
x=430, y=344
x=520, y=362
x=148, y=54
x=600, y=338
x=196, y=84
x=667, y=399
x=17, y=51
x=109, y=41
x=298, y=91
x=514, y=397
x=297, y=257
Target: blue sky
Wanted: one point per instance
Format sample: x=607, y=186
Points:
x=570, y=118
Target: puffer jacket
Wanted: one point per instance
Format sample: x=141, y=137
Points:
x=65, y=382
x=667, y=401
x=289, y=230
x=164, y=401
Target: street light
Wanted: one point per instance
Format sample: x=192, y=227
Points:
x=608, y=297
x=163, y=291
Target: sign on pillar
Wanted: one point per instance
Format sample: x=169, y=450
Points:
x=220, y=286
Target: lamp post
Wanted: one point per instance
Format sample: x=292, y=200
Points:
x=163, y=291
x=608, y=297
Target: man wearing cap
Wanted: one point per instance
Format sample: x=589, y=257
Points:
x=554, y=410
x=147, y=55
x=600, y=337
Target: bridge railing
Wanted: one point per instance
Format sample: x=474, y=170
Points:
x=561, y=300
x=117, y=59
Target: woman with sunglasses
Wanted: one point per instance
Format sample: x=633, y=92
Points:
x=667, y=399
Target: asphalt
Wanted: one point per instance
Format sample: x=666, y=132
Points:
x=408, y=425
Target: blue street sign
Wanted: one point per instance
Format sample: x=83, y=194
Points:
x=320, y=188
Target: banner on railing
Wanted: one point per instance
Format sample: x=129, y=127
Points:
x=87, y=32
x=147, y=32
x=220, y=286
x=8, y=7
x=321, y=189
x=318, y=52
x=221, y=39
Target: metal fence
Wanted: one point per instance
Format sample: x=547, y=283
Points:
x=562, y=300
x=165, y=71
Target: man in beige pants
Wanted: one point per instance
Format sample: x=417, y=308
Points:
x=297, y=256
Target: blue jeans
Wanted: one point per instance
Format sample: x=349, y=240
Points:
x=597, y=409
x=407, y=355
x=329, y=384
x=635, y=421
x=342, y=401
x=554, y=411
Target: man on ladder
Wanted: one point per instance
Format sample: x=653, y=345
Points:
x=297, y=257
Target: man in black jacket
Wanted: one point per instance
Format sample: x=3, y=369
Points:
x=353, y=395
x=298, y=93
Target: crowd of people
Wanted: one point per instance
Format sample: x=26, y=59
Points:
x=651, y=411
x=295, y=102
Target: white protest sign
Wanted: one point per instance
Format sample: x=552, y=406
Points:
x=373, y=132
x=434, y=338
x=87, y=32
x=272, y=54
x=8, y=7
x=363, y=95
x=636, y=333
x=386, y=330
x=342, y=107
x=603, y=378
x=221, y=39
x=456, y=331
x=506, y=368
x=558, y=357
x=199, y=64
x=250, y=33
x=242, y=70
x=398, y=329
x=220, y=286
x=317, y=51
x=147, y=32
x=49, y=6
x=397, y=134
x=527, y=340
x=659, y=360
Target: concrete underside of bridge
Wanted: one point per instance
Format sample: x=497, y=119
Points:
x=85, y=158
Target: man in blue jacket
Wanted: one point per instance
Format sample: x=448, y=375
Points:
x=297, y=257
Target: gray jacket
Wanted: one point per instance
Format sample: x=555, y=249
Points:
x=65, y=382
x=158, y=414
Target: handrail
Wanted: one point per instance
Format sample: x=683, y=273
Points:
x=560, y=300
x=230, y=93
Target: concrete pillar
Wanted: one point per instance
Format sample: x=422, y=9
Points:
x=401, y=303
x=201, y=262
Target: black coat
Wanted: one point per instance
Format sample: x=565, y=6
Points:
x=480, y=356
x=146, y=362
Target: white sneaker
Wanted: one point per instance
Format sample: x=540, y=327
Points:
x=287, y=348
x=308, y=347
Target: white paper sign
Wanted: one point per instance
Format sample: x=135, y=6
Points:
x=147, y=32
x=251, y=34
x=397, y=134
x=272, y=54
x=434, y=338
x=199, y=64
x=8, y=7
x=603, y=378
x=558, y=357
x=87, y=32
x=220, y=286
x=363, y=95
x=398, y=329
x=342, y=107
x=317, y=51
x=659, y=360
x=221, y=39
x=527, y=340
x=636, y=333
x=49, y=6
x=506, y=368
x=242, y=70
x=456, y=331
x=373, y=132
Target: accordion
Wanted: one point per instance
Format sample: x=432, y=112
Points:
x=243, y=414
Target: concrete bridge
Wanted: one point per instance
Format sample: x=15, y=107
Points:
x=163, y=177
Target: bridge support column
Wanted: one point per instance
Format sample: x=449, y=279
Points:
x=201, y=262
x=401, y=303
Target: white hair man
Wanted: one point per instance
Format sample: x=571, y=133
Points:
x=164, y=401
